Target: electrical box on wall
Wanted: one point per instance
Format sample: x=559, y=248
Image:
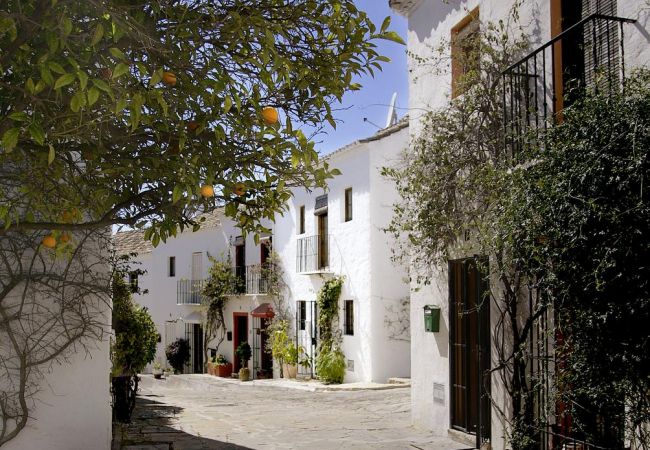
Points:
x=431, y=318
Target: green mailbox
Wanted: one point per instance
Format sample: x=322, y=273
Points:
x=431, y=318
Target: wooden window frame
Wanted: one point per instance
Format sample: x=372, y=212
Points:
x=347, y=196
x=470, y=20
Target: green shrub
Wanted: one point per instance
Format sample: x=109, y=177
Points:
x=244, y=353
x=178, y=353
x=136, y=335
x=330, y=365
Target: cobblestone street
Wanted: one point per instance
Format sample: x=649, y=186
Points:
x=203, y=412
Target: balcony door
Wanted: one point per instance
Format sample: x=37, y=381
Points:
x=323, y=248
x=469, y=340
x=240, y=267
x=197, y=276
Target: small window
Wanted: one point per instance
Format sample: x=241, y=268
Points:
x=172, y=266
x=465, y=49
x=133, y=281
x=348, y=326
x=302, y=314
x=301, y=220
x=348, y=204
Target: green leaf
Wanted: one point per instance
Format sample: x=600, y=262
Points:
x=227, y=104
x=97, y=35
x=120, y=105
x=83, y=79
x=37, y=133
x=29, y=86
x=120, y=70
x=391, y=36
x=156, y=77
x=385, y=24
x=19, y=117
x=117, y=53
x=10, y=139
x=136, y=110
x=50, y=155
x=64, y=80
x=77, y=101
x=177, y=193
x=56, y=68
x=93, y=95
x=101, y=84
x=67, y=26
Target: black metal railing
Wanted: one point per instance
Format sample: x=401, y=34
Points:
x=312, y=253
x=252, y=279
x=188, y=292
x=587, y=55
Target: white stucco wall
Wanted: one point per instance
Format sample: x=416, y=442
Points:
x=359, y=251
x=430, y=23
x=72, y=411
x=161, y=297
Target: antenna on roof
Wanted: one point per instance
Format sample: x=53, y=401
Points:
x=392, y=114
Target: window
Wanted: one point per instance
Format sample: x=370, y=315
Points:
x=301, y=220
x=172, y=266
x=302, y=314
x=348, y=325
x=133, y=281
x=348, y=204
x=464, y=51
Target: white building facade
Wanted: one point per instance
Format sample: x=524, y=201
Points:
x=444, y=399
x=331, y=239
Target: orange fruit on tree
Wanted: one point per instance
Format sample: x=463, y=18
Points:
x=192, y=126
x=207, y=191
x=270, y=115
x=169, y=78
x=64, y=238
x=240, y=189
x=49, y=241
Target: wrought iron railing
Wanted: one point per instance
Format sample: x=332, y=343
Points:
x=537, y=87
x=312, y=253
x=188, y=292
x=255, y=278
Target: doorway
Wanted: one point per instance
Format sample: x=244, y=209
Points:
x=240, y=334
x=323, y=247
x=194, y=336
x=469, y=339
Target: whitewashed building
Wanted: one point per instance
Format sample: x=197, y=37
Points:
x=321, y=235
x=447, y=396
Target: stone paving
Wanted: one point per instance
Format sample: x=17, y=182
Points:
x=191, y=412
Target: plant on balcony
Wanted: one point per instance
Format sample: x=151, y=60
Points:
x=330, y=355
x=216, y=290
x=178, y=354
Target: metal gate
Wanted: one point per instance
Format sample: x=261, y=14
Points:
x=307, y=334
x=194, y=335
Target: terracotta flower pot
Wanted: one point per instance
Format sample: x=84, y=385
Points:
x=224, y=370
x=244, y=374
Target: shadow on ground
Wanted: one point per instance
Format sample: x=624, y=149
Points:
x=152, y=428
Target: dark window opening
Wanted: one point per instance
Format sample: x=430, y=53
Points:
x=172, y=266
x=240, y=268
x=348, y=325
x=302, y=314
x=348, y=204
x=301, y=220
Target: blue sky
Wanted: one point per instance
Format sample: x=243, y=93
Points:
x=374, y=97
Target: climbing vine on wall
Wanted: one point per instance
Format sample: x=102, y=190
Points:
x=330, y=362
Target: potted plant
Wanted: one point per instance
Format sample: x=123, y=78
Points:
x=223, y=367
x=244, y=353
x=157, y=371
x=292, y=355
x=212, y=366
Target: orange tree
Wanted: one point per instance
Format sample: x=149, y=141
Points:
x=133, y=112
x=126, y=112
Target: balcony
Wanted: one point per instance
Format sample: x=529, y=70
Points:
x=587, y=55
x=312, y=254
x=188, y=292
x=252, y=280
